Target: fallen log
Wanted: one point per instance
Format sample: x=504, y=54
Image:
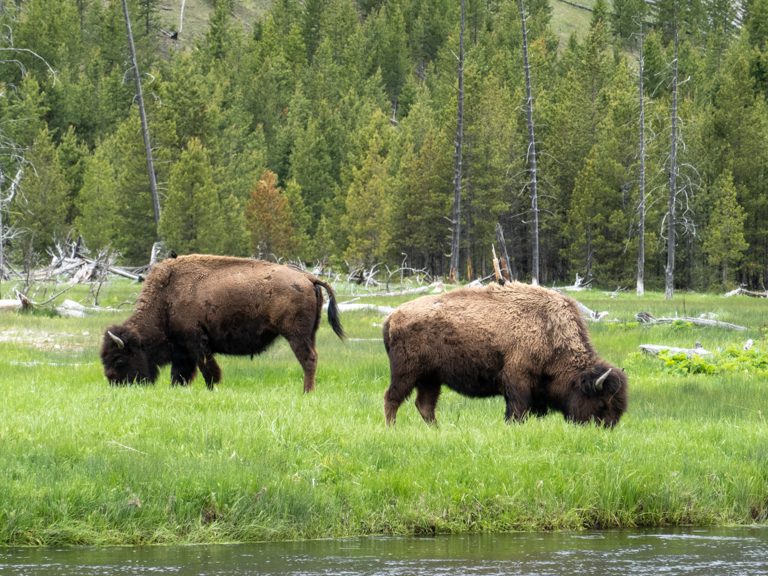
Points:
x=646, y=318
x=434, y=288
x=744, y=292
x=21, y=302
x=654, y=349
x=354, y=307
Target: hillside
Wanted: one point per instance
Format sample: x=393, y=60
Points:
x=567, y=16
x=196, y=14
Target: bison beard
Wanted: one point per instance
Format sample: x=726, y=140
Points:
x=193, y=307
x=525, y=343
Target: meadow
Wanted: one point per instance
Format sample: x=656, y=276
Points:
x=85, y=463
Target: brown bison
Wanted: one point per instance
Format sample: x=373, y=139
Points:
x=193, y=307
x=525, y=343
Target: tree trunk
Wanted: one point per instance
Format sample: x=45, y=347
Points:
x=641, y=183
x=669, y=275
x=510, y=274
x=456, y=218
x=531, y=153
x=143, y=115
x=2, y=249
x=3, y=203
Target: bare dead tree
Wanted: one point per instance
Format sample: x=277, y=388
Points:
x=531, y=152
x=143, y=115
x=505, y=262
x=642, y=206
x=669, y=272
x=6, y=197
x=456, y=217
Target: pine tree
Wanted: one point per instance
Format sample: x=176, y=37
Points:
x=192, y=218
x=269, y=220
x=724, y=241
x=96, y=204
x=368, y=209
x=44, y=189
x=420, y=203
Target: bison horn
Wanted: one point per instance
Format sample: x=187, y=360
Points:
x=601, y=379
x=117, y=340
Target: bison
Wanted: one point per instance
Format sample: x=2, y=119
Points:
x=525, y=343
x=193, y=307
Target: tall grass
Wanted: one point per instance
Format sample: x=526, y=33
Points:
x=85, y=463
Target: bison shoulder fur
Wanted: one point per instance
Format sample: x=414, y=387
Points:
x=525, y=343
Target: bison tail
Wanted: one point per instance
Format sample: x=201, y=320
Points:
x=334, y=317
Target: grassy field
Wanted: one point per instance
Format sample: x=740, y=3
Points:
x=84, y=463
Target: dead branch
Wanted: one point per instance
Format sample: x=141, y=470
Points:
x=646, y=318
x=578, y=285
x=591, y=314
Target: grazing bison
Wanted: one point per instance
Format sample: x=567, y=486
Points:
x=193, y=307
x=525, y=343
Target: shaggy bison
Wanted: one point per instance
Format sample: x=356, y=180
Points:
x=525, y=343
x=193, y=307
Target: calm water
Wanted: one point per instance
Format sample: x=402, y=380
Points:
x=710, y=552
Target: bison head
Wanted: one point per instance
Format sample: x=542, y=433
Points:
x=599, y=394
x=125, y=360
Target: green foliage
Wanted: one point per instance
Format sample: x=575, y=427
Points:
x=135, y=228
x=724, y=242
x=731, y=360
x=97, y=202
x=681, y=363
x=270, y=219
x=295, y=88
x=192, y=219
x=43, y=215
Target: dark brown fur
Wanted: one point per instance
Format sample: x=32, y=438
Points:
x=193, y=307
x=525, y=343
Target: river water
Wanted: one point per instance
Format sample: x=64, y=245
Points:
x=689, y=552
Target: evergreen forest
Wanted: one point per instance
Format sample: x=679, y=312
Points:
x=325, y=132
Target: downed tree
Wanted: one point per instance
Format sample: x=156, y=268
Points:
x=79, y=268
x=355, y=307
x=654, y=349
x=741, y=291
x=21, y=302
x=646, y=318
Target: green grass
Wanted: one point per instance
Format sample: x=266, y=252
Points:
x=85, y=463
x=568, y=19
x=197, y=14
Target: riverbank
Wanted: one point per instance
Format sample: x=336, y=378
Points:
x=85, y=463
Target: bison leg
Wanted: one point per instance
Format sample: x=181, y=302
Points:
x=401, y=384
x=393, y=397
x=426, y=401
x=517, y=394
x=210, y=370
x=182, y=371
x=304, y=350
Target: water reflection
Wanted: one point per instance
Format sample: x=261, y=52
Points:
x=722, y=552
